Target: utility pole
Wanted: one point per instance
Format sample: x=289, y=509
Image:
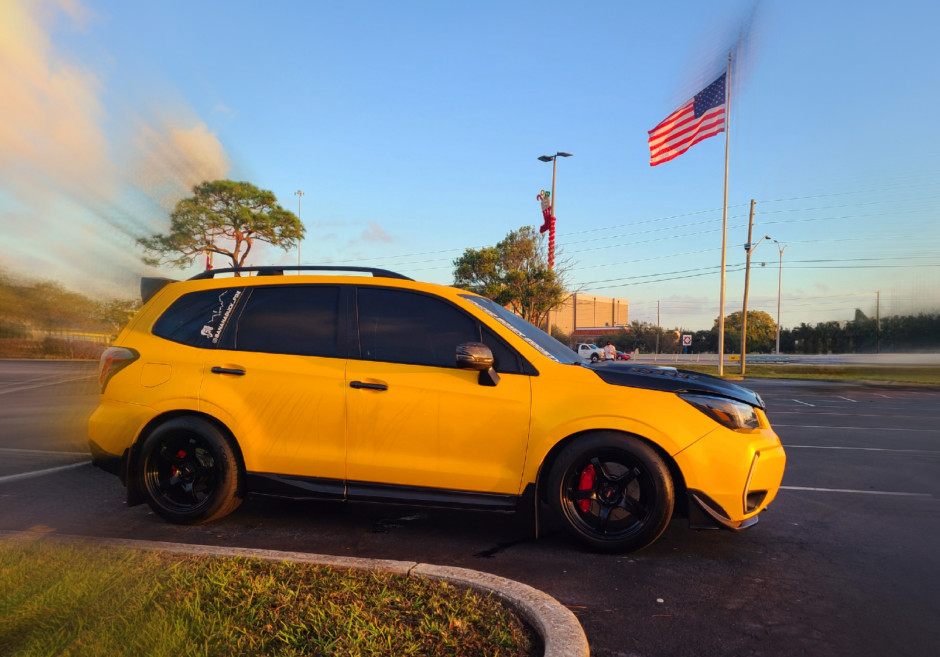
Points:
x=299, y=194
x=749, y=248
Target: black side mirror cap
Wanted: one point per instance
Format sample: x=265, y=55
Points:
x=474, y=356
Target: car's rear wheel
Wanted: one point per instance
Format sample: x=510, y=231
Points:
x=612, y=491
x=188, y=471
x=595, y=358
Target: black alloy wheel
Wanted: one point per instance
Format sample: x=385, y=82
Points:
x=612, y=491
x=189, y=473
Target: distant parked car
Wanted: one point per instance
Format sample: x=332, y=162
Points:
x=622, y=355
x=590, y=352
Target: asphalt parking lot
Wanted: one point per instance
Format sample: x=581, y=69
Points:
x=845, y=562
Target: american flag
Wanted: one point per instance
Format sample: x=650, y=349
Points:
x=700, y=118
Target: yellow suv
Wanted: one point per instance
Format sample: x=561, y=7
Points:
x=377, y=387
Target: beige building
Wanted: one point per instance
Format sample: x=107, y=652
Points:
x=583, y=311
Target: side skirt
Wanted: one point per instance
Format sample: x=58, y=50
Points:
x=295, y=487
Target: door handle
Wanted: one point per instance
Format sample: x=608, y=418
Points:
x=228, y=370
x=368, y=386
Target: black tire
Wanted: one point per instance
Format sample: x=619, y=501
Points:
x=188, y=472
x=612, y=491
x=595, y=358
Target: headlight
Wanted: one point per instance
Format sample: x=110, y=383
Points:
x=726, y=412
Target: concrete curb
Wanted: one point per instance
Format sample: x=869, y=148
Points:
x=559, y=629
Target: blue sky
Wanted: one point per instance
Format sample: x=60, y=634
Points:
x=413, y=130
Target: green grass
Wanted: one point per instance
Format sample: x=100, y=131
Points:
x=880, y=374
x=77, y=600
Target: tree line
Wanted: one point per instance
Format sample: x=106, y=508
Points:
x=28, y=305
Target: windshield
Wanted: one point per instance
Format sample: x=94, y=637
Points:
x=536, y=337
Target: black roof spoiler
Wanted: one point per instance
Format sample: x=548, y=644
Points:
x=149, y=286
x=278, y=270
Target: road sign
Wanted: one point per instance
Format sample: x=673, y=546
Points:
x=686, y=340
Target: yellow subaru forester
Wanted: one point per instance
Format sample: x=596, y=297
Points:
x=376, y=387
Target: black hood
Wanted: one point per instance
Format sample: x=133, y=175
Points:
x=670, y=379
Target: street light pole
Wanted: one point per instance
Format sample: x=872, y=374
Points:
x=551, y=227
x=299, y=194
x=780, y=248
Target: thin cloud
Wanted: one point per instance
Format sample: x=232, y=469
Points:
x=375, y=233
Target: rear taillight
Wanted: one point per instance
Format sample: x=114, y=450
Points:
x=113, y=360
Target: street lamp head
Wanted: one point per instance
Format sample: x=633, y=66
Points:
x=546, y=158
x=767, y=237
x=563, y=154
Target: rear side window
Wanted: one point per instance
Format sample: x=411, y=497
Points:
x=197, y=319
x=404, y=327
x=297, y=319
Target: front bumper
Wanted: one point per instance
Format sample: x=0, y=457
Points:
x=731, y=477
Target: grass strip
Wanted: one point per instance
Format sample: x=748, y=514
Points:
x=78, y=600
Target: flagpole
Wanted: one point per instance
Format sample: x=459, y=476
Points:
x=724, y=226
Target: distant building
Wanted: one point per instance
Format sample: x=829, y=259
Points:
x=588, y=316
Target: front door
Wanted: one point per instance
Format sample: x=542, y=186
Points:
x=416, y=420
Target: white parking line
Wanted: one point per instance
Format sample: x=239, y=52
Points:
x=40, y=452
x=849, y=490
x=854, y=401
x=39, y=473
x=43, y=385
x=823, y=426
x=867, y=449
x=804, y=403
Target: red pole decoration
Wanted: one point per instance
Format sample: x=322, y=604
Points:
x=551, y=245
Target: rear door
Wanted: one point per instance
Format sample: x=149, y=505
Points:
x=277, y=379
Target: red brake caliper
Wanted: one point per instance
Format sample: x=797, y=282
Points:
x=586, y=483
x=173, y=469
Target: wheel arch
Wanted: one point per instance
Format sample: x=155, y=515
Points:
x=134, y=494
x=678, y=481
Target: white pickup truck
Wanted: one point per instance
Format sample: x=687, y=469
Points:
x=590, y=352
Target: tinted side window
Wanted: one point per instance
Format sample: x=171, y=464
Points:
x=197, y=319
x=508, y=360
x=296, y=319
x=404, y=327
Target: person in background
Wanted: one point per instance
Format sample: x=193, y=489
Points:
x=610, y=351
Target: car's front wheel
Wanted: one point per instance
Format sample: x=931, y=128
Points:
x=188, y=471
x=595, y=358
x=612, y=491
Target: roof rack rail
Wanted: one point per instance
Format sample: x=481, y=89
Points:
x=278, y=270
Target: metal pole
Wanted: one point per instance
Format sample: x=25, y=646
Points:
x=299, y=195
x=724, y=225
x=878, y=323
x=779, y=289
x=747, y=279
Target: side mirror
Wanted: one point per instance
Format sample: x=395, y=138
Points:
x=477, y=356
